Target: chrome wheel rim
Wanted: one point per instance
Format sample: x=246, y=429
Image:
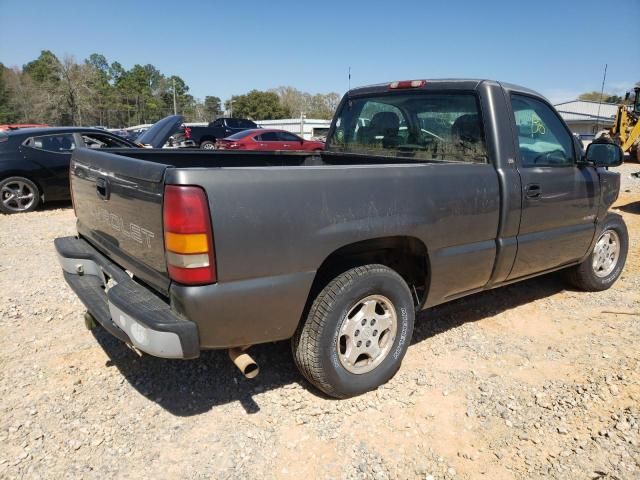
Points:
x=17, y=196
x=366, y=334
x=208, y=146
x=606, y=253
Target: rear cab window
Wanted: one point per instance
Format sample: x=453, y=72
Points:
x=426, y=126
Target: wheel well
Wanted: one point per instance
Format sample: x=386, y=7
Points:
x=406, y=255
x=207, y=139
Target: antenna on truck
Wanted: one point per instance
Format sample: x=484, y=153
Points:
x=604, y=78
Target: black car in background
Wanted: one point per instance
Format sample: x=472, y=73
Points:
x=34, y=162
x=206, y=137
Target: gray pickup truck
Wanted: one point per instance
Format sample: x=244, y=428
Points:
x=427, y=191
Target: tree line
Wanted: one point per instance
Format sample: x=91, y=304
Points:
x=96, y=92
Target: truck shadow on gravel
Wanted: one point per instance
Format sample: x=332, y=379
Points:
x=479, y=306
x=633, y=207
x=192, y=387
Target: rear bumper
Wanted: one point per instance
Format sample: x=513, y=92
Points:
x=127, y=310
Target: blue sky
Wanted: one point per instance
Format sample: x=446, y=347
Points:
x=223, y=48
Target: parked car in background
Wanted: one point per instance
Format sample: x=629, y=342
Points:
x=133, y=135
x=206, y=137
x=268, y=139
x=34, y=162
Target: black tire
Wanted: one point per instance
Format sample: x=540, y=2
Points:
x=584, y=276
x=29, y=192
x=208, y=144
x=315, y=343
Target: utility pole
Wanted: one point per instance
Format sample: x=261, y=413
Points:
x=175, y=107
x=302, y=116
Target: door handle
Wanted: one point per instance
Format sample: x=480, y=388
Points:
x=532, y=190
x=103, y=189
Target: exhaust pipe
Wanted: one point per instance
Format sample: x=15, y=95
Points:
x=244, y=362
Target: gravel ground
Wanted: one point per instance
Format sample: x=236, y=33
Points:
x=527, y=381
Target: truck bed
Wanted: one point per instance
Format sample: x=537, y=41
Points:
x=278, y=216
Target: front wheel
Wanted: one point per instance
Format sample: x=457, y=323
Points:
x=603, y=267
x=357, y=331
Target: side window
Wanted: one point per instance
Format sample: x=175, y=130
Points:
x=270, y=137
x=421, y=126
x=96, y=140
x=62, y=143
x=542, y=138
x=288, y=137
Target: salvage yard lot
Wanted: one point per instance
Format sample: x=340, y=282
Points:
x=527, y=381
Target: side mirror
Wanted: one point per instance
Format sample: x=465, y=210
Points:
x=604, y=154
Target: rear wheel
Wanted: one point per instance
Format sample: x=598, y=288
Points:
x=357, y=331
x=603, y=267
x=208, y=145
x=18, y=194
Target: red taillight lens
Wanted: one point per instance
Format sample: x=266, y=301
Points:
x=188, y=236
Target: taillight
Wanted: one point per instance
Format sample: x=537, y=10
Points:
x=188, y=237
x=407, y=84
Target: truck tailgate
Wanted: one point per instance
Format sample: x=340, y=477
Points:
x=118, y=202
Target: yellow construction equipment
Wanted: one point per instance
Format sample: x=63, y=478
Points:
x=626, y=127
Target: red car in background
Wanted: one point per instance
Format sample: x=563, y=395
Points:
x=15, y=126
x=267, y=139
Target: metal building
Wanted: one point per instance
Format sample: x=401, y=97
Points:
x=585, y=117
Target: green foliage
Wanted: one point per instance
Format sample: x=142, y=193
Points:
x=598, y=97
x=6, y=113
x=93, y=92
x=45, y=69
x=257, y=105
x=99, y=92
x=313, y=106
x=212, y=107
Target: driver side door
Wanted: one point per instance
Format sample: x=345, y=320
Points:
x=559, y=197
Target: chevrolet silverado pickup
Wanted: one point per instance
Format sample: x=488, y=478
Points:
x=427, y=191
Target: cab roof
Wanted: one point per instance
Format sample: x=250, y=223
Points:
x=27, y=132
x=442, y=84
